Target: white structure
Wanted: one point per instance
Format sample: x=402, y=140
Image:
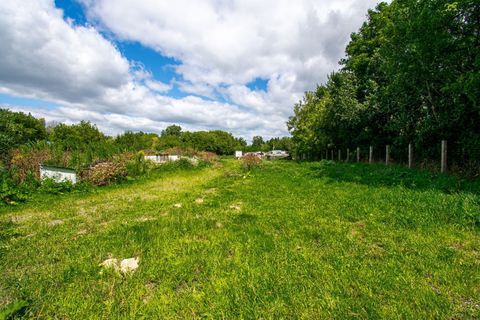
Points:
x=277, y=154
x=163, y=157
x=58, y=174
x=238, y=154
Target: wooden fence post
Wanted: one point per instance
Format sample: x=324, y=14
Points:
x=387, y=154
x=358, y=154
x=348, y=154
x=370, y=155
x=332, y=154
x=410, y=155
x=444, y=156
x=339, y=155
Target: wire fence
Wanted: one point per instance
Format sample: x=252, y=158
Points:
x=457, y=160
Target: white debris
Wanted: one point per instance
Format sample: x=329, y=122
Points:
x=111, y=263
x=199, y=200
x=55, y=222
x=125, y=266
x=177, y=205
x=129, y=265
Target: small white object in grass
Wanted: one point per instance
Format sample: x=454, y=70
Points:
x=177, y=205
x=111, y=263
x=235, y=207
x=125, y=266
x=199, y=200
x=129, y=265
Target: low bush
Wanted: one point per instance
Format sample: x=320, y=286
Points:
x=184, y=163
x=10, y=194
x=209, y=157
x=25, y=162
x=137, y=165
x=52, y=187
x=104, y=173
x=250, y=161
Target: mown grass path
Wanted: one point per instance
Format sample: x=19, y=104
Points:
x=288, y=240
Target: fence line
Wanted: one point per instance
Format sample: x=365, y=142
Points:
x=330, y=155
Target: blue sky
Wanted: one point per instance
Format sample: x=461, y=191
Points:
x=237, y=65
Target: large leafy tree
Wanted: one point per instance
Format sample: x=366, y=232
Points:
x=134, y=141
x=76, y=136
x=411, y=75
x=17, y=128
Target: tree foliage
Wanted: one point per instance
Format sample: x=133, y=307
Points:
x=17, y=128
x=411, y=75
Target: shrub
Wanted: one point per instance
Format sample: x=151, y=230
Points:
x=10, y=193
x=209, y=157
x=137, y=165
x=24, y=162
x=104, y=173
x=185, y=163
x=53, y=187
x=250, y=161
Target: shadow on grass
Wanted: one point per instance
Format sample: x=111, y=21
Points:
x=379, y=175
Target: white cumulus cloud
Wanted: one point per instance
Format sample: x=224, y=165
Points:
x=221, y=45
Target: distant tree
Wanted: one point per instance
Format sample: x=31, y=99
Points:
x=76, y=136
x=240, y=143
x=173, y=130
x=257, y=142
x=136, y=141
x=283, y=143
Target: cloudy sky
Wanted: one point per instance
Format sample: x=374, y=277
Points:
x=235, y=65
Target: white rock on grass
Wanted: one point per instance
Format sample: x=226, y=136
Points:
x=125, y=266
x=111, y=263
x=235, y=207
x=177, y=205
x=129, y=265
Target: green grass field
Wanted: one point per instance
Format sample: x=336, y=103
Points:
x=288, y=240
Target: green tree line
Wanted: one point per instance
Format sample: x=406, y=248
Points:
x=411, y=74
x=78, y=145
